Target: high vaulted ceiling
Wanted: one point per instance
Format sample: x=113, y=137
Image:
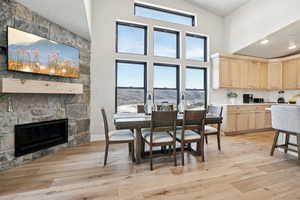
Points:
x=278, y=45
x=70, y=14
x=219, y=7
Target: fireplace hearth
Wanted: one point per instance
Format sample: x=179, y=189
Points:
x=33, y=137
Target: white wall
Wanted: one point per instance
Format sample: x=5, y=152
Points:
x=257, y=19
x=105, y=15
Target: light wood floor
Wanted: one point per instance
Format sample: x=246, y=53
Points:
x=243, y=170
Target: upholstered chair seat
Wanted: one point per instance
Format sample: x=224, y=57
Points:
x=210, y=129
x=121, y=135
x=188, y=135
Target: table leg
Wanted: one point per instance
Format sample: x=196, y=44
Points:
x=138, y=144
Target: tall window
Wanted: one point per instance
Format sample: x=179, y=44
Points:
x=166, y=84
x=166, y=43
x=196, y=88
x=131, y=38
x=196, y=47
x=164, y=15
x=130, y=85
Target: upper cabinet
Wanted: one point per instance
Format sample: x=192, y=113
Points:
x=275, y=71
x=240, y=72
x=290, y=74
x=244, y=72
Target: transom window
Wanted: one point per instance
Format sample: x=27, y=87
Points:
x=196, y=88
x=166, y=43
x=164, y=14
x=130, y=85
x=166, y=84
x=196, y=47
x=131, y=38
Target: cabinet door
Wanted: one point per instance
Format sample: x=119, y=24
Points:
x=260, y=120
x=252, y=120
x=244, y=64
x=268, y=120
x=242, y=121
x=298, y=73
x=225, y=73
x=235, y=73
x=290, y=74
x=263, y=75
x=231, y=122
x=253, y=75
x=275, y=76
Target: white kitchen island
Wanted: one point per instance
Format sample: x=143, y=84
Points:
x=286, y=118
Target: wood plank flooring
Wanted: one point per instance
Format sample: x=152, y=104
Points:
x=243, y=170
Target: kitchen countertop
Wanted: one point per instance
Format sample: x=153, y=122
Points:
x=252, y=104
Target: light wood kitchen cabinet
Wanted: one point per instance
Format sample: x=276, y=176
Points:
x=290, y=74
x=225, y=73
x=244, y=65
x=246, y=119
x=240, y=72
x=263, y=75
x=244, y=72
x=232, y=122
x=260, y=120
x=298, y=72
x=253, y=72
x=275, y=76
x=268, y=119
x=242, y=121
x=235, y=73
x=251, y=120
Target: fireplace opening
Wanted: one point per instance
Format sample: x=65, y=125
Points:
x=33, y=137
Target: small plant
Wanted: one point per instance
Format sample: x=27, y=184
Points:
x=232, y=95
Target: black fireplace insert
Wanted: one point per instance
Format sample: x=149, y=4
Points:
x=33, y=137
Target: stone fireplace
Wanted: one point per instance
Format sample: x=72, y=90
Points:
x=16, y=109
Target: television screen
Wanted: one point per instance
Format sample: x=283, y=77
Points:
x=34, y=54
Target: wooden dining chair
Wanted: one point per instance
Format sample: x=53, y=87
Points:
x=192, y=131
x=117, y=137
x=210, y=130
x=161, y=124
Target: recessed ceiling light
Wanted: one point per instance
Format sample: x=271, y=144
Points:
x=264, y=41
x=292, y=47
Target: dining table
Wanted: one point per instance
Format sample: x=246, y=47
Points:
x=137, y=121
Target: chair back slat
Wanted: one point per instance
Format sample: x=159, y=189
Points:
x=163, y=120
x=106, y=130
x=194, y=119
x=215, y=110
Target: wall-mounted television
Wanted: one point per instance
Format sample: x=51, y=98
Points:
x=33, y=54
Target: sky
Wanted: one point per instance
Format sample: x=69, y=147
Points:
x=164, y=16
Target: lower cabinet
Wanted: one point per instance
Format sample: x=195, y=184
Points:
x=242, y=122
x=246, y=119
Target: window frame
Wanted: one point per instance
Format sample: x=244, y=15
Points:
x=205, y=46
x=205, y=82
x=177, y=80
x=165, y=30
x=116, y=80
x=170, y=11
x=145, y=27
